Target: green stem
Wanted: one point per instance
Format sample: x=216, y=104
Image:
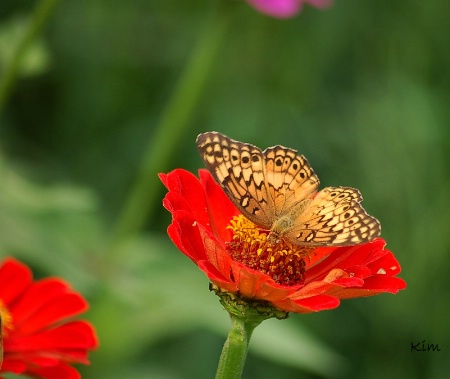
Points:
x=40, y=16
x=169, y=133
x=234, y=352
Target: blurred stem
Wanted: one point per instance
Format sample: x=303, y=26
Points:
x=234, y=352
x=169, y=132
x=40, y=16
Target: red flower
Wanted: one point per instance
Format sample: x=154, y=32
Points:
x=38, y=339
x=285, y=8
x=301, y=280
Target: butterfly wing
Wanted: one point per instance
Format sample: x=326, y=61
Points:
x=334, y=217
x=275, y=190
x=240, y=169
x=290, y=178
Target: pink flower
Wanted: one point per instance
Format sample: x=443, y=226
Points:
x=285, y=8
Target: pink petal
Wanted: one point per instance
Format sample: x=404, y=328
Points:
x=277, y=8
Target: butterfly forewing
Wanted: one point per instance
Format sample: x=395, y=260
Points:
x=277, y=190
x=239, y=169
x=289, y=177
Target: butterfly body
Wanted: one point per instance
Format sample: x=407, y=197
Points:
x=284, y=223
x=276, y=189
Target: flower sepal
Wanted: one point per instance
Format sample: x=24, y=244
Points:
x=252, y=311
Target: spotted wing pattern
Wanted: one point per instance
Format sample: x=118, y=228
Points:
x=263, y=185
x=239, y=169
x=334, y=217
x=289, y=178
x=277, y=190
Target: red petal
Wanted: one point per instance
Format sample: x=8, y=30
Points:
x=163, y=178
x=212, y=272
x=17, y=366
x=308, y=305
x=346, y=257
x=44, y=303
x=387, y=264
x=249, y=281
x=349, y=282
x=384, y=283
x=226, y=286
x=318, y=255
x=220, y=207
x=318, y=303
x=360, y=271
x=322, y=268
x=199, y=245
x=62, y=371
x=274, y=292
x=14, y=278
x=76, y=335
x=312, y=289
x=175, y=202
x=215, y=253
x=365, y=254
x=185, y=235
x=189, y=188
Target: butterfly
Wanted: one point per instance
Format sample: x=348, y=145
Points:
x=277, y=190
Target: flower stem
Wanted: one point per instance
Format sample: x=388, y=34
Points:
x=40, y=16
x=170, y=130
x=234, y=352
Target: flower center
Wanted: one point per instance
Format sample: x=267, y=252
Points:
x=6, y=319
x=282, y=261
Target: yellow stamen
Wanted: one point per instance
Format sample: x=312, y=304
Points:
x=6, y=319
x=284, y=262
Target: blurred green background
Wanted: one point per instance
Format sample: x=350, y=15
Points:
x=110, y=93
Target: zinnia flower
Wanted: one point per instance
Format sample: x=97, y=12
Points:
x=208, y=228
x=285, y=8
x=38, y=338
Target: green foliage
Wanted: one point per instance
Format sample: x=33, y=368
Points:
x=361, y=89
x=36, y=60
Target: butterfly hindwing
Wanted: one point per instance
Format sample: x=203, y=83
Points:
x=335, y=217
